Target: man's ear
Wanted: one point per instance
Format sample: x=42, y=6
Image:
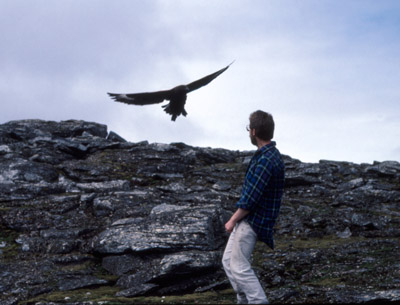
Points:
x=253, y=132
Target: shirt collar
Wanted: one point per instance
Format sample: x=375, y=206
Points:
x=266, y=147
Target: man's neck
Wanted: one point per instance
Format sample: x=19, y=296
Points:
x=261, y=143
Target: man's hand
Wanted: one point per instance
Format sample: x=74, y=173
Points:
x=229, y=226
x=239, y=214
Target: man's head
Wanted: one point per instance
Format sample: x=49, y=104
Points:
x=263, y=125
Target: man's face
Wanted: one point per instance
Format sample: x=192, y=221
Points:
x=252, y=137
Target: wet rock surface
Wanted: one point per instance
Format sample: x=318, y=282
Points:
x=84, y=214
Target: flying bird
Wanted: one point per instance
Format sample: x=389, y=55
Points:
x=176, y=96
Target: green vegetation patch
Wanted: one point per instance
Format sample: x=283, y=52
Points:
x=106, y=295
x=8, y=246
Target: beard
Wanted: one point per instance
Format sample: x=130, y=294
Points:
x=253, y=140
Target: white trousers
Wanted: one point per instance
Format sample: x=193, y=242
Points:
x=236, y=262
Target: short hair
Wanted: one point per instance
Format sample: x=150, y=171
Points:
x=263, y=123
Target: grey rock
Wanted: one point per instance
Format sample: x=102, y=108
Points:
x=80, y=282
x=392, y=295
x=109, y=186
x=387, y=168
x=115, y=137
x=222, y=186
x=26, y=171
x=190, y=228
x=166, y=208
x=189, y=262
x=121, y=264
x=138, y=278
x=83, y=208
x=137, y=290
x=345, y=234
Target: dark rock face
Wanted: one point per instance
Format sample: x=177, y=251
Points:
x=81, y=208
x=167, y=228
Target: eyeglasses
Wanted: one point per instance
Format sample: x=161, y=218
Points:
x=248, y=128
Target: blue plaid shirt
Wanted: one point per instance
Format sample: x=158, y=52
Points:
x=262, y=191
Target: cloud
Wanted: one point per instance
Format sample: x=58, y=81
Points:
x=326, y=70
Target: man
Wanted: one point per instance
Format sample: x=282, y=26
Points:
x=257, y=211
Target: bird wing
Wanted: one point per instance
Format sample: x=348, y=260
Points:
x=145, y=98
x=205, y=80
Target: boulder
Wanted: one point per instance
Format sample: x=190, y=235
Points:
x=167, y=228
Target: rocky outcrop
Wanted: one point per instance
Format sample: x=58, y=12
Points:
x=81, y=209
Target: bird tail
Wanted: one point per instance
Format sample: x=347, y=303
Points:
x=167, y=109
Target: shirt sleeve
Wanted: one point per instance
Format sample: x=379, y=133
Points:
x=255, y=183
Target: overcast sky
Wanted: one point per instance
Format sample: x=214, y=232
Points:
x=327, y=70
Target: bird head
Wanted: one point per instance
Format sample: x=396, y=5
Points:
x=182, y=89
